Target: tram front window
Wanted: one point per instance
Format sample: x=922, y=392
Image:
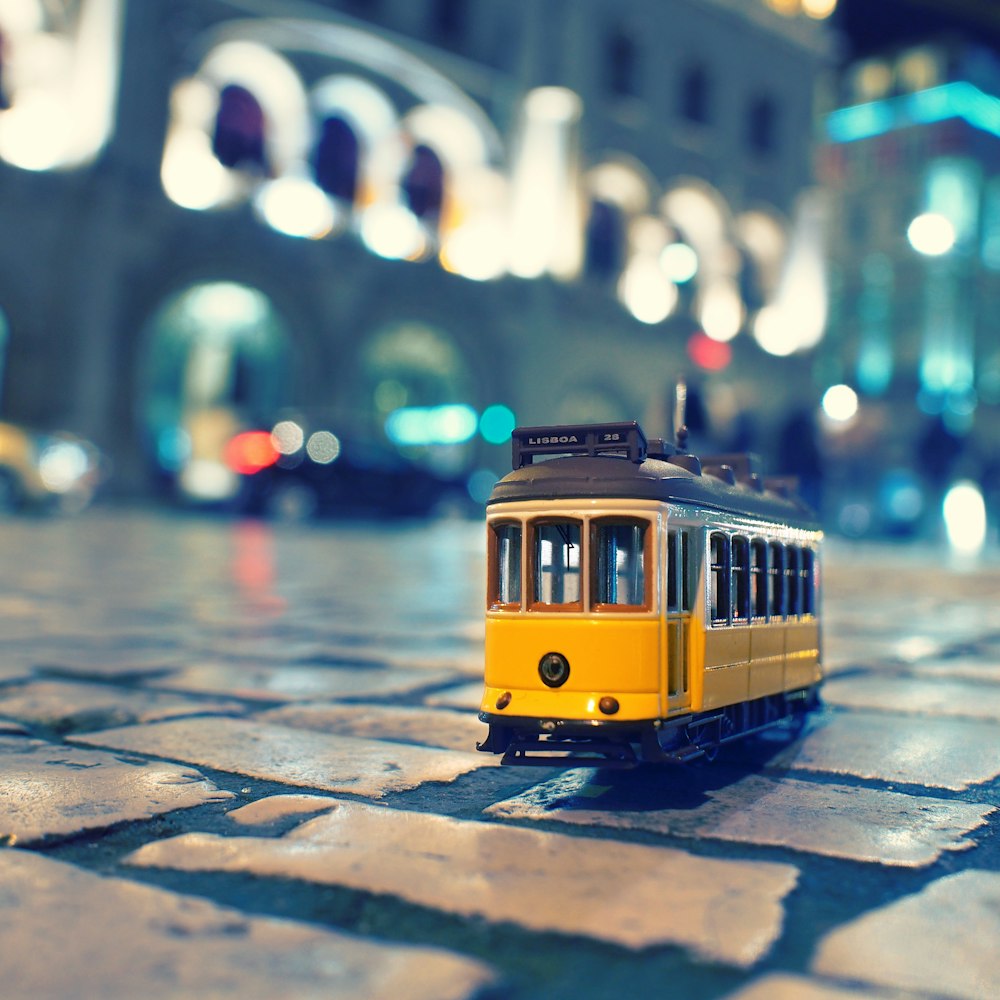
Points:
x=618, y=553
x=557, y=563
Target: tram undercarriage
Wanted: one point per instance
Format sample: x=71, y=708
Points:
x=552, y=743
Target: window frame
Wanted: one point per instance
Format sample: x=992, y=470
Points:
x=759, y=603
x=493, y=602
x=678, y=568
x=739, y=591
x=720, y=579
x=533, y=579
x=590, y=555
x=776, y=586
x=793, y=580
x=807, y=573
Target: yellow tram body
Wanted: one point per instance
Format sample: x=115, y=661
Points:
x=661, y=615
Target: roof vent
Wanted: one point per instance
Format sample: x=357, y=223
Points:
x=724, y=472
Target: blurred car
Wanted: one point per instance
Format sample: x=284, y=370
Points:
x=46, y=471
x=296, y=478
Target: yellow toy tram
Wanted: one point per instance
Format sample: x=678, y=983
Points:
x=643, y=605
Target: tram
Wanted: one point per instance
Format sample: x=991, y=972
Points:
x=643, y=604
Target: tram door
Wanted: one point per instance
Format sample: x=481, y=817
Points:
x=680, y=549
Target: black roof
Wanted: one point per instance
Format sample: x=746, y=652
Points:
x=599, y=476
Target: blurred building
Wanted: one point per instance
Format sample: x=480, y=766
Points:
x=912, y=160
x=409, y=221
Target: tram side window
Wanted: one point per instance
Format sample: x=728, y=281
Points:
x=618, y=552
x=678, y=571
x=720, y=577
x=776, y=580
x=758, y=579
x=505, y=574
x=808, y=574
x=557, y=563
x=741, y=579
x=794, y=581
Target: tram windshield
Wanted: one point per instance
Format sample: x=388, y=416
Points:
x=557, y=563
x=618, y=554
x=564, y=564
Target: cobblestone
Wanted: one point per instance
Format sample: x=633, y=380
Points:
x=278, y=753
x=425, y=726
x=244, y=765
x=861, y=824
x=295, y=683
x=48, y=790
x=628, y=894
x=907, y=693
x=912, y=749
x=69, y=933
x=942, y=940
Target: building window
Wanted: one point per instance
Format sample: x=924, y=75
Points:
x=605, y=240
x=761, y=125
x=448, y=21
x=622, y=66
x=4, y=52
x=335, y=159
x=423, y=183
x=363, y=8
x=238, y=136
x=694, y=95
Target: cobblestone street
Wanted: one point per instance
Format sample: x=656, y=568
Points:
x=239, y=760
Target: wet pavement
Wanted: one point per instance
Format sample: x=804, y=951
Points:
x=239, y=760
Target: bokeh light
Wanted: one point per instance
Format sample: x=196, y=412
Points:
x=496, y=423
x=679, y=262
x=965, y=518
x=931, y=234
x=323, y=447
x=287, y=437
x=452, y=423
x=840, y=403
x=708, y=354
x=646, y=292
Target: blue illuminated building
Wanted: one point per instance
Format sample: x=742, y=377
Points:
x=930, y=154
x=912, y=161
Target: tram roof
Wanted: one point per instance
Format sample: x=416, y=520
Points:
x=599, y=476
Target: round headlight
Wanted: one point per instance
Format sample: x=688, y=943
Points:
x=553, y=668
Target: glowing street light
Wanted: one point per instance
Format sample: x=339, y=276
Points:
x=931, y=234
x=840, y=403
x=965, y=518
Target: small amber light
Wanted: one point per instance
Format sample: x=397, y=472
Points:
x=504, y=700
x=608, y=705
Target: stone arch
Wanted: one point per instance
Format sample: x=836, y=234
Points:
x=362, y=114
x=762, y=232
x=703, y=218
x=216, y=359
x=618, y=189
x=416, y=367
x=256, y=80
